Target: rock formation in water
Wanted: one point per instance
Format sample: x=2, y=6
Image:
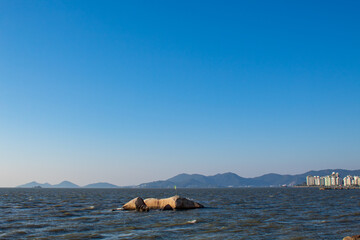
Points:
x=355, y=237
x=171, y=203
x=174, y=202
x=137, y=204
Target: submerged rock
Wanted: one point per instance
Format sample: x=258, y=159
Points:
x=170, y=203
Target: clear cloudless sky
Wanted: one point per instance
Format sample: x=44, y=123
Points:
x=134, y=91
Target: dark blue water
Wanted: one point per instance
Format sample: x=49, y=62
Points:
x=245, y=213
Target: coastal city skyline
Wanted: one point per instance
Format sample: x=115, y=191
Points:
x=129, y=92
x=333, y=180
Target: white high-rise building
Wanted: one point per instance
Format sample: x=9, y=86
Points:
x=357, y=180
x=327, y=181
x=348, y=180
x=310, y=180
x=317, y=181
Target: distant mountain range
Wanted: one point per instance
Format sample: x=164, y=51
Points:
x=233, y=180
x=216, y=181
x=101, y=185
x=67, y=184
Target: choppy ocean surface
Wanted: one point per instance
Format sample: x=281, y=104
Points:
x=245, y=213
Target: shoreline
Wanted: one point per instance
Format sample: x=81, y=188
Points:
x=331, y=187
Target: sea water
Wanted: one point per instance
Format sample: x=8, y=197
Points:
x=231, y=213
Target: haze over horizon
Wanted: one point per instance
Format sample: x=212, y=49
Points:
x=135, y=91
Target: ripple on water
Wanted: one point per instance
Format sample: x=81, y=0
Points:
x=245, y=213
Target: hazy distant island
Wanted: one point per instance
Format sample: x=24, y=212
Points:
x=67, y=184
x=224, y=180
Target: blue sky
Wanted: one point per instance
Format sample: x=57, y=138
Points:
x=134, y=91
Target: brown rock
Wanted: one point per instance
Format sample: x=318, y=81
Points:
x=174, y=202
x=355, y=237
x=171, y=203
x=154, y=203
x=136, y=204
x=183, y=203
